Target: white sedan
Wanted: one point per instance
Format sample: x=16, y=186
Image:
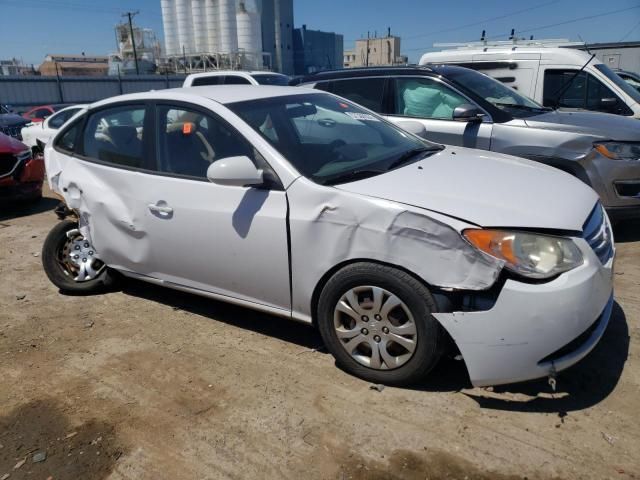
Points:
x=302, y=204
x=36, y=135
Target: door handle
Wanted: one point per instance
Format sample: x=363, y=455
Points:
x=160, y=209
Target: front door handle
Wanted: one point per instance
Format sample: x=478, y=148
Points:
x=163, y=209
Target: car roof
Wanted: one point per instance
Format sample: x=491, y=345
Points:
x=426, y=70
x=223, y=94
x=233, y=72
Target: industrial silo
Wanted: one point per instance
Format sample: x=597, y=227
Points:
x=170, y=26
x=228, y=28
x=185, y=26
x=198, y=15
x=212, y=24
x=249, y=29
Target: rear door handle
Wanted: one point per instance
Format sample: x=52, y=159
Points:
x=160, y=208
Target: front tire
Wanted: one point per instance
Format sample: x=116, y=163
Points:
x=70, y=263
x=376, y=321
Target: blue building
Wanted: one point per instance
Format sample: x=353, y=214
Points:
x=314, y=50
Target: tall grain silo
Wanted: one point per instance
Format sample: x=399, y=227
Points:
x=249, y=29
x=212, y=23
x=228, y=27
x=198, y=15
x=185, y=26
x=170, y=26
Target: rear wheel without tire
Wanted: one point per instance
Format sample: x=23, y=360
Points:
x=376, y=321
x=70, y=262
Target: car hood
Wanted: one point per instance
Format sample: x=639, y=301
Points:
x=602, y=125
x=487, y=189
x=12, y=120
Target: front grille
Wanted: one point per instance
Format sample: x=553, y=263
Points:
x=628, y=189
x=597, y=232
x=12, y=131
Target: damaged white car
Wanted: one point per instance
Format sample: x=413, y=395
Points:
x=301, y=204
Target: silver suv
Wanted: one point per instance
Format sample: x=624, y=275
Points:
x=462, y=107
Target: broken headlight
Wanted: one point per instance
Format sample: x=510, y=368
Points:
x=619, y=151
x=528, y=254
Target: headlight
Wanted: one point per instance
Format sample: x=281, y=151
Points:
x=619, y=151
x=528, y=254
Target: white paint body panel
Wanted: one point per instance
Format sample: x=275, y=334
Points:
x=232, y=243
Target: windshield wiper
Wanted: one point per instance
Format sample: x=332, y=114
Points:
x=522, y=107
x=409, y=155
x=351, y=176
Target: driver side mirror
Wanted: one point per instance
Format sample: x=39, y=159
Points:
x=467, y=113
x=235, y=171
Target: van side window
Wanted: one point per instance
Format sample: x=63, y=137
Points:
x=585, y=92
x=425, y=98
x=368, y=92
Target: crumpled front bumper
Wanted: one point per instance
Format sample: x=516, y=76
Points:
x=534, y=330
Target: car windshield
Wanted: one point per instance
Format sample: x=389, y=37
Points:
x=496, y=93
x=619, y=82
x=271, y=79
x=330, y=140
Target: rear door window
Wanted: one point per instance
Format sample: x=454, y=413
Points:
x=202, y=81
x=189, y=141
x=57, y=120
x=426, y=98
x=368, y=92
x=115, y=135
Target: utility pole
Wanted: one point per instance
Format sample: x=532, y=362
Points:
x=133, y=40
x=367, y=61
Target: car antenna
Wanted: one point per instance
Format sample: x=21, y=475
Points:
x=565, y=87
x=586, y=47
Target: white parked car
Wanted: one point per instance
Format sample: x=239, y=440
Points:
x=301, y=204
x=235, y=77
x=36, y=135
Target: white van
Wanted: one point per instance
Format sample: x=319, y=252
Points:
x=547, y=72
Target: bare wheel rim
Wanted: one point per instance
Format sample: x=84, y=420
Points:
x=77, y=258
x=375, y=327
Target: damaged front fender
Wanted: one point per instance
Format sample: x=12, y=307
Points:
x=331, y=226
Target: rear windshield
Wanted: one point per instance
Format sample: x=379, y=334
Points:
x=620, y=83
x=271, y=79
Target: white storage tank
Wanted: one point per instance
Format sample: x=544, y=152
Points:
x=249, y=28
x=212, y=23
x=170, y=26
x=199, y=26
x=228, y=29
x=185, y=26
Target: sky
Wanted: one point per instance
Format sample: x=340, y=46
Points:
x=30, y=29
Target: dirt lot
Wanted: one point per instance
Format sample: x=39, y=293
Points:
x=151, y=383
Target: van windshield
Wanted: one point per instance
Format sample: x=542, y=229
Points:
x=496, y=93
x=619, y=82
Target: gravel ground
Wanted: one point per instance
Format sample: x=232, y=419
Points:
x=151, y=383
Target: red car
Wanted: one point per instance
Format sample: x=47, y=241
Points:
x=38, y=114
x=21, y=175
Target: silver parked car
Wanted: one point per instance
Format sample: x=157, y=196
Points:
x=301, y=204
x=459, y=106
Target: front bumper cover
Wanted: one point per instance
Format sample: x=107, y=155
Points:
x=529, y=322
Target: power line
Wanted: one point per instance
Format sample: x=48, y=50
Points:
x=542, y=27
x=630, y=32
x=481, y=22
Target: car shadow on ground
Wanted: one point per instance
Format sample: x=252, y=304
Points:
x=12, y=209
x=265, y=324
x=585, y=384
x=580, y=387
x=628, y=231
